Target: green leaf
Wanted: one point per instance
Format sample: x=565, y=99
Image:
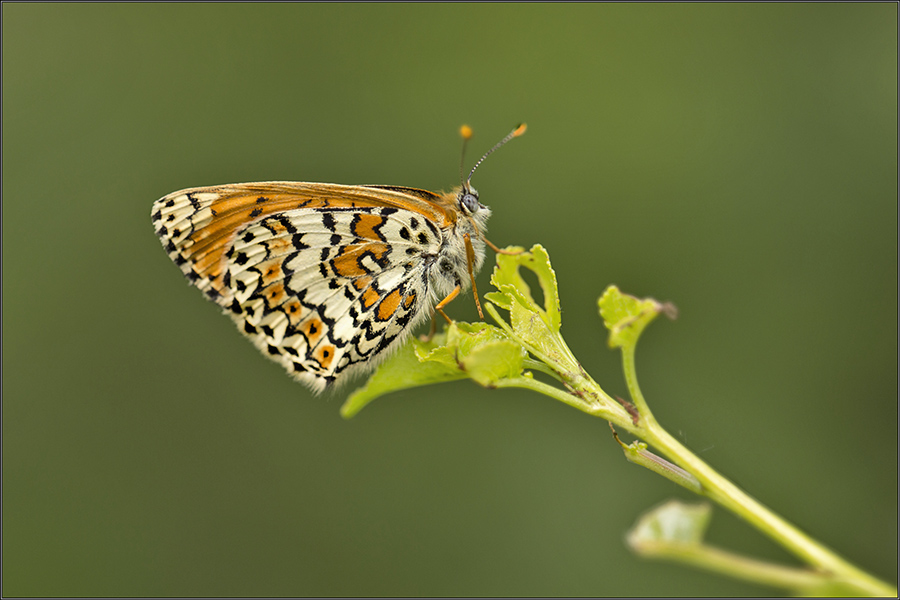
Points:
x=534, y=326
x=494, y=361
x=531, y=327
x=626, y=316
x=539, y=263
x=672, y=523
x=466, y=337
x=513, y=288
x=404, y=369
x=482, y=351
x=499, y=298
x=478, y=351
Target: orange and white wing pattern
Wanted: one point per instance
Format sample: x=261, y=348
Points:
x=323, y=278
x=326, y=279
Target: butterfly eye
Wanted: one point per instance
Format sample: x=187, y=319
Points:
x=469, y=202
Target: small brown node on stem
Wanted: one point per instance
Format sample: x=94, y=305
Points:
x=635, y=416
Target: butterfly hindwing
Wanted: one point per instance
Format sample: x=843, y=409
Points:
x=323, y=288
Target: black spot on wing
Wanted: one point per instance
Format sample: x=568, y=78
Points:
x=297, y=241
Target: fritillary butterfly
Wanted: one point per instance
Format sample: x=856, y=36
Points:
x=326, y=279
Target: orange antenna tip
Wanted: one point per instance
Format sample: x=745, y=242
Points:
x=520, y=130
x=466, y=132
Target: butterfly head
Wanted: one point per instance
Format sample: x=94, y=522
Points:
x=468, y=200
x=470, y=209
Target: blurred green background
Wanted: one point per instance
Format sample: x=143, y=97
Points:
x=737, y=160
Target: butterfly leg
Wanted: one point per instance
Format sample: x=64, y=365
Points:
x=439, y=308
x=470, y=260
x=446, y=301
x=431, y=330
x=440, y=305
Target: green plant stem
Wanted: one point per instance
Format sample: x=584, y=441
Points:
x=637, y=453
x=740, y=567
x=725, y=493
x=534, y=365
x=569, y=398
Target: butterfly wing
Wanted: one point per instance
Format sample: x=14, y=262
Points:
x=325, y=279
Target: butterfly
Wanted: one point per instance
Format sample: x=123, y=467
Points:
x=327, y=279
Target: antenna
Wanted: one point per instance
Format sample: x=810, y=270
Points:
x=519, y=130
x=466, y=132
